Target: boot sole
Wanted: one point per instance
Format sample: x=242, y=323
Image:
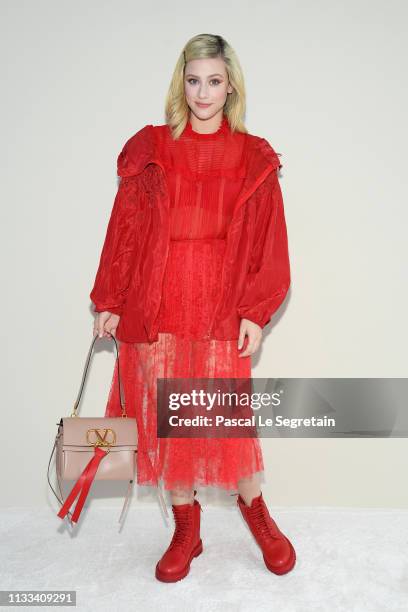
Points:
x=283, y=569
x=163, y=577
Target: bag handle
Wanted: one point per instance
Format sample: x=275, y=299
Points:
x=121, y=396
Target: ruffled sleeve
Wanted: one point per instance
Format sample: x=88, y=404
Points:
x=268, y=277
x=115, y=263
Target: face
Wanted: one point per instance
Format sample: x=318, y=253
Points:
x=206, y=86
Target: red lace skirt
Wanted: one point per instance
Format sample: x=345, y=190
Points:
x=190, y=292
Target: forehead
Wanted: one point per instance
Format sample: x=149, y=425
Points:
x=206, y=67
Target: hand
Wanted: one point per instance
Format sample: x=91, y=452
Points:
x=254, y=333
x=105, y=324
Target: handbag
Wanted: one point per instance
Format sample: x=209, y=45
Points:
x=89, y=448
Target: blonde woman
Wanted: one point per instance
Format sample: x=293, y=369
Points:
x=194, y=264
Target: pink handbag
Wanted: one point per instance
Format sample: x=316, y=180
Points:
x=89, y=448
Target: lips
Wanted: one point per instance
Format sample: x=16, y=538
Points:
x=201, y=105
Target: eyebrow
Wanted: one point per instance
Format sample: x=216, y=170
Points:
x=210, y=75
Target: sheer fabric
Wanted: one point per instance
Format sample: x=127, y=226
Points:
x=204, y=174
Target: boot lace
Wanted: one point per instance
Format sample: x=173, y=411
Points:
x=263, y=522
x=183, y=529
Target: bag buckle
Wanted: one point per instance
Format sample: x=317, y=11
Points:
x=105, y=437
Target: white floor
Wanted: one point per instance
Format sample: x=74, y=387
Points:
x=350, y=560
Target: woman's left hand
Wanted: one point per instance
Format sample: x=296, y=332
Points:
x=254, y=333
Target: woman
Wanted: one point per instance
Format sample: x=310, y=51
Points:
x=194, y=264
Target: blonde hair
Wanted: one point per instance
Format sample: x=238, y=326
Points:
x=206, y=46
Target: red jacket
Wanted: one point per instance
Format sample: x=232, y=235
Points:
x=256, y=271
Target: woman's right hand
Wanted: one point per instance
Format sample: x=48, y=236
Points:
x=105, y=324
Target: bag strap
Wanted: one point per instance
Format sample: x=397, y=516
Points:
x=121, y=396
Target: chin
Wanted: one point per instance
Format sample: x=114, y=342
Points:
x=205, y=113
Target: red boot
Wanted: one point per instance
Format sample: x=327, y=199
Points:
x=278, y=553
x=185, y=544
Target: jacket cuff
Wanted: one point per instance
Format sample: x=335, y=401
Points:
x=113, y=309
x=255, y=318
x=263, y=311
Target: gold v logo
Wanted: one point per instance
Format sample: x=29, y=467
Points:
x=101, y=437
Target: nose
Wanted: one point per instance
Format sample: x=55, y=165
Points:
x=202, y=92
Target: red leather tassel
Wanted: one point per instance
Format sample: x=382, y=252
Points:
x=83, y=484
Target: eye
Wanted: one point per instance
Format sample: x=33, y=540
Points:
x=192, y=81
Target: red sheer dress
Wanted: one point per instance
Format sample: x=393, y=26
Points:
x=204, y=174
